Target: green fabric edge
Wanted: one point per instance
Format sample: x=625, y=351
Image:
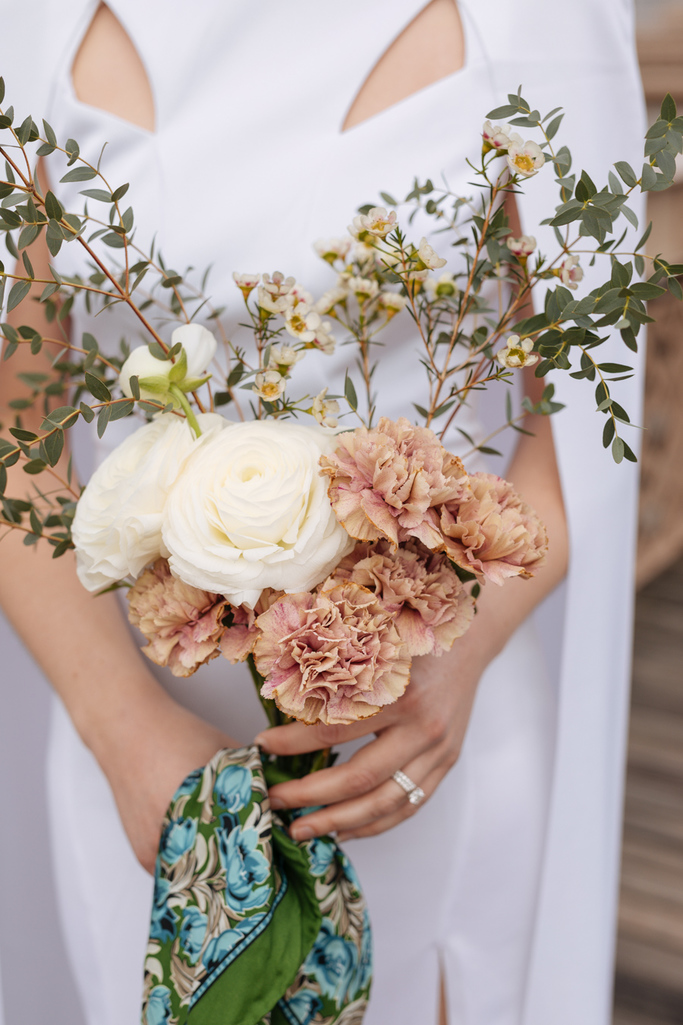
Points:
x=278, y=1017
x=242, y=995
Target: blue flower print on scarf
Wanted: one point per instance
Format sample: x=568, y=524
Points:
x=177, y=838
x=164, y=918
x=364, y=974
x=320, y=855
x=192, y=933
x=158, y=1010
x=304, y=1005
x=219, y=948
x=233, y=788
x=245, y=868
x=189, y=784
x=332, y=962
x=349, y=870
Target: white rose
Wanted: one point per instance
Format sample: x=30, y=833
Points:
x=199, y=346
x=117, y=526
x=250, y=510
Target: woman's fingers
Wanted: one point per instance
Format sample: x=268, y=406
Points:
x=405, y=811
x=366, y=770
x=298, y=738
x=385, y=801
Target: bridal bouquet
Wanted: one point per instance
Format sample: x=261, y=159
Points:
x=325, y=546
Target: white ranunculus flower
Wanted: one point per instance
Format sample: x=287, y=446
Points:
x=117, y=526
x=250, y=510
x=199, y=346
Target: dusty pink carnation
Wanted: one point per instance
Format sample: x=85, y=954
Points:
x=333, y=657
x=386, y=482
x=183, y=625
x=241, y=632
x=433, y=606
x=492, y=532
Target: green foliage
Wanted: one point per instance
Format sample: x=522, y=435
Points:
x=462, y=321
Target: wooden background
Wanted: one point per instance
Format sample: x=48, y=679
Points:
x=649, y=969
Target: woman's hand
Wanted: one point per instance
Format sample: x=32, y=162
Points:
x=146, y=757
x=422, y=734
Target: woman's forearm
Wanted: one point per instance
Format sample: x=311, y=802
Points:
x=81, y=642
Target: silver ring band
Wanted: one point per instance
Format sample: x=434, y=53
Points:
x=414, y=792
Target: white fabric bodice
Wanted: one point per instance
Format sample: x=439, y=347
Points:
x=248, y=166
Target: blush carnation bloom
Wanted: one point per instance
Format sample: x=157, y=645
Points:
x=432, y=605
x=387, y=482
x=251, y=511
x=334, y=657
x=182, y=624
x=492, y=532
x=241, y=631
x=117, y=526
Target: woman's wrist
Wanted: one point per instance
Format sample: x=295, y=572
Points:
x=110, y=717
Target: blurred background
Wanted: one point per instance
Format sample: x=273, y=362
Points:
x=649, y=972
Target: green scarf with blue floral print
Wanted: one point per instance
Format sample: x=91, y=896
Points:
x=249, y=927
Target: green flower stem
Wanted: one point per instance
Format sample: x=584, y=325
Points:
x=181, y=399
x=269, y=706
x=295, y=766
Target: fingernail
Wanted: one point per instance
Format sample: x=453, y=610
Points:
x=277, y=804
x=262, y=741
x=301, y=832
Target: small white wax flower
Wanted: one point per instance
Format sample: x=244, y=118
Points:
x=302, y=322
x=498, y=137
x=441, y=287
x=333, y=297
x=269, y=385
x=377, y=222
x=199, y=348
x=525, y=158
x=324, y=339
x=299, y=294
x=418, y=277
x=428, y=256
x=246, y=282
x=387, y=258
x=393, y=302
x=274, y=303
x=278, y=284
x=324, y=410
x=364, y=289
x=283, y=356
x=517, y=353
x=364, y=254
x=570, y=272
x=523, y=246
x=332, y=249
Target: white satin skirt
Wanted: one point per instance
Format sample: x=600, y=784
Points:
x=452, y=891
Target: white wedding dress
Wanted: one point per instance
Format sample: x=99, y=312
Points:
x=505, y=881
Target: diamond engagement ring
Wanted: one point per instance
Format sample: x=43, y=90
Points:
x=414, y=792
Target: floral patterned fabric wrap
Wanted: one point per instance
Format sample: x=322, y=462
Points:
x=249, y=927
